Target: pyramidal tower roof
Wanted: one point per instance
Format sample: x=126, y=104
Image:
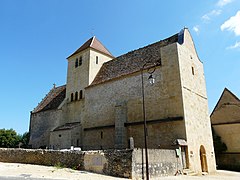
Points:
x=93, y=43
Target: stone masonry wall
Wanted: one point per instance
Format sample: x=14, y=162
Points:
x=119, y=163
x=196, y=115
x=42, y=157
x=162, y=162
x=229, y=161
x=110, y=162
x=162, y=100
x=40, y=126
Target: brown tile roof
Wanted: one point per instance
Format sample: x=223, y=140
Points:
x=52, y=100
x=94, y=43
x=67, y=126
x=132, y=61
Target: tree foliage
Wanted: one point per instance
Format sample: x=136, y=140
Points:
x=219, y=146
x=9, y=138
x=25, y=140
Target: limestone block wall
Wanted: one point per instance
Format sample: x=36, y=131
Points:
x=94, y=66
x=196, y=115
x=98, y=138
x=162, y=100
x=226, y=113
x=77, y=78
x=119, y=163
x=70, y=159
x=64, y=139
x=60, y=139
x=73, y=111
x=229, y=161
x=110, y=162
x=80, y=77
x=41, y=124
x=227, y=109
x=229, y=134
x=162, y=162
x=225, y=120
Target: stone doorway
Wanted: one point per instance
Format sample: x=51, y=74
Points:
x=203, y=159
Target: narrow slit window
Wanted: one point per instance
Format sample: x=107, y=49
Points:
x=193, y=71
x=76, y=96
x=76, y=63
x=96, y=59
x=80, y=94
x=80, y=61
x=101, y=135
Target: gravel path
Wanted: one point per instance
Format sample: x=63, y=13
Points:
x=36, y=171
x=28, y=171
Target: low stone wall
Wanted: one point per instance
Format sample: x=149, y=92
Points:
x=120, y=163
x=72, y=159
x=162, y=162
x=109, y=162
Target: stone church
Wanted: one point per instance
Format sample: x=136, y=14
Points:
x=101, y=105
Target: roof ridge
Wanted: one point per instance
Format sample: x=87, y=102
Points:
x=52, y=94
x=94, y=43
x=44, y=99
x=146, y=46
x=93, y=38
x=225, y=89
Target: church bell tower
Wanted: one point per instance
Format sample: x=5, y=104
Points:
x=83, y=66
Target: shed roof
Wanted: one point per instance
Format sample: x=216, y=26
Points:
x=67, y=126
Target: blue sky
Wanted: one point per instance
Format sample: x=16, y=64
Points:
x=37, y=36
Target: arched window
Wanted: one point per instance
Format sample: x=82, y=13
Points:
x=76, y=63
x=71, y=97
x=80, y=94
x=76, y=96
x=80, y=60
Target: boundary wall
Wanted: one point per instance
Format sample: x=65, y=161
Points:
x=119, y=163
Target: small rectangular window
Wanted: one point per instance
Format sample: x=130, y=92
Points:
x=193, y=71
x=71, y=97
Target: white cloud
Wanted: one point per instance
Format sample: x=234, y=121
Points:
x=222, y=3
x=196, y=29
x=236, y=45
x=207, y=17
x=232, y=24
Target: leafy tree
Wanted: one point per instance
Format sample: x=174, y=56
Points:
x=25, y=140
x=9, y=138
x=219, y=146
